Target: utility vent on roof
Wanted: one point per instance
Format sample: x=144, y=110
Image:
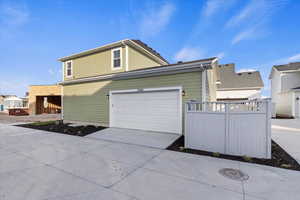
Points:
x=179, y=62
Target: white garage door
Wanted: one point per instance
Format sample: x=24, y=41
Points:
x=154, y=110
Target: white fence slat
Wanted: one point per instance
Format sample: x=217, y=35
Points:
x=235, y=128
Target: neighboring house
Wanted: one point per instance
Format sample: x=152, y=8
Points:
x=7, y=101
x=232, y=86
x=44, y=99
x=11, y=101
x=127, y=84
x=285, y=89
x=2, y=97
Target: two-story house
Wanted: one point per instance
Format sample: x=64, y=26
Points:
x=285, y=89
x=127, y=84
x=232, y=86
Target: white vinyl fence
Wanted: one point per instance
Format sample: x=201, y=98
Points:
x=234, y=128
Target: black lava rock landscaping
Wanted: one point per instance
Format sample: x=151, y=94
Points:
x=280, y=158
x=63, y=128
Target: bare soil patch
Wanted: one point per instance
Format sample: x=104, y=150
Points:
x=9, y=119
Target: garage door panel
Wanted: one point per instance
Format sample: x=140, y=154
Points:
x=155, y=111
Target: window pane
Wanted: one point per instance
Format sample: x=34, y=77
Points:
x=69, y=72
x=69, y=68
x=117, y=54
x=117, y=63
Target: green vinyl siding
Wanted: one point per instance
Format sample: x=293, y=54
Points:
x=101, y=63
x=95, y=64
x=137, y=60
x=89, y=102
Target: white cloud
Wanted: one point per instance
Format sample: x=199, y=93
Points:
x=246, y=70
x=13, y=14
x=156, y=19
x=51, y=71
x=12, y=17
x=253, y=7
x=254, y=17
x=244, y=35
x=189, y=53
x=256, y=11
x=55, y=73
x=221, y=55
x=294, y=58
x=211, y=7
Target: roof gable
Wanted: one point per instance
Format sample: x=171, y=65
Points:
x=139, y=45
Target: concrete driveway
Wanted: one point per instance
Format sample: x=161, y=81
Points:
x=137, y=137
x=39, y=165
x=286, y=132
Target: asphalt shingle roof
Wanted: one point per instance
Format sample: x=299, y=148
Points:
x=145, y=46
x=288, y=67
x=231, y=80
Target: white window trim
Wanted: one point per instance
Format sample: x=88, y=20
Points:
x=66, y=70
x=112, y=58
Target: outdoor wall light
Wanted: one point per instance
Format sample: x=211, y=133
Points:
x=107, y=96
x=297, y=98
x=183, y=93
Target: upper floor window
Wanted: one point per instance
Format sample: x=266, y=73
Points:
x=69, y=68
x=116, y=58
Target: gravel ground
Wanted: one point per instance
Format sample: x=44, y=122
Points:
x=6, y=119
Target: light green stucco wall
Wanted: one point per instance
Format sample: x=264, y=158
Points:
x=88, y=102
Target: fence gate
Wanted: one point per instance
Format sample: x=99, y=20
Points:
x=234, y=128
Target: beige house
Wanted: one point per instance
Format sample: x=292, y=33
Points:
x=233, y=86
x=127, y=84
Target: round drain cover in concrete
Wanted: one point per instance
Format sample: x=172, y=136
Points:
x=234, y=174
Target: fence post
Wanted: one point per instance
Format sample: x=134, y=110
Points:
x=204, y=106
x=185, y=125
x=226, y=129
x=268, y=128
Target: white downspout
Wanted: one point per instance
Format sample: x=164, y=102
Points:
x=62, y=92
x=203, y=84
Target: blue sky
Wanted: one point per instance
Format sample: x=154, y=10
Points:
x=254, y=34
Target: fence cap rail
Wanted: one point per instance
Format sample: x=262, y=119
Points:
x=230, y=102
